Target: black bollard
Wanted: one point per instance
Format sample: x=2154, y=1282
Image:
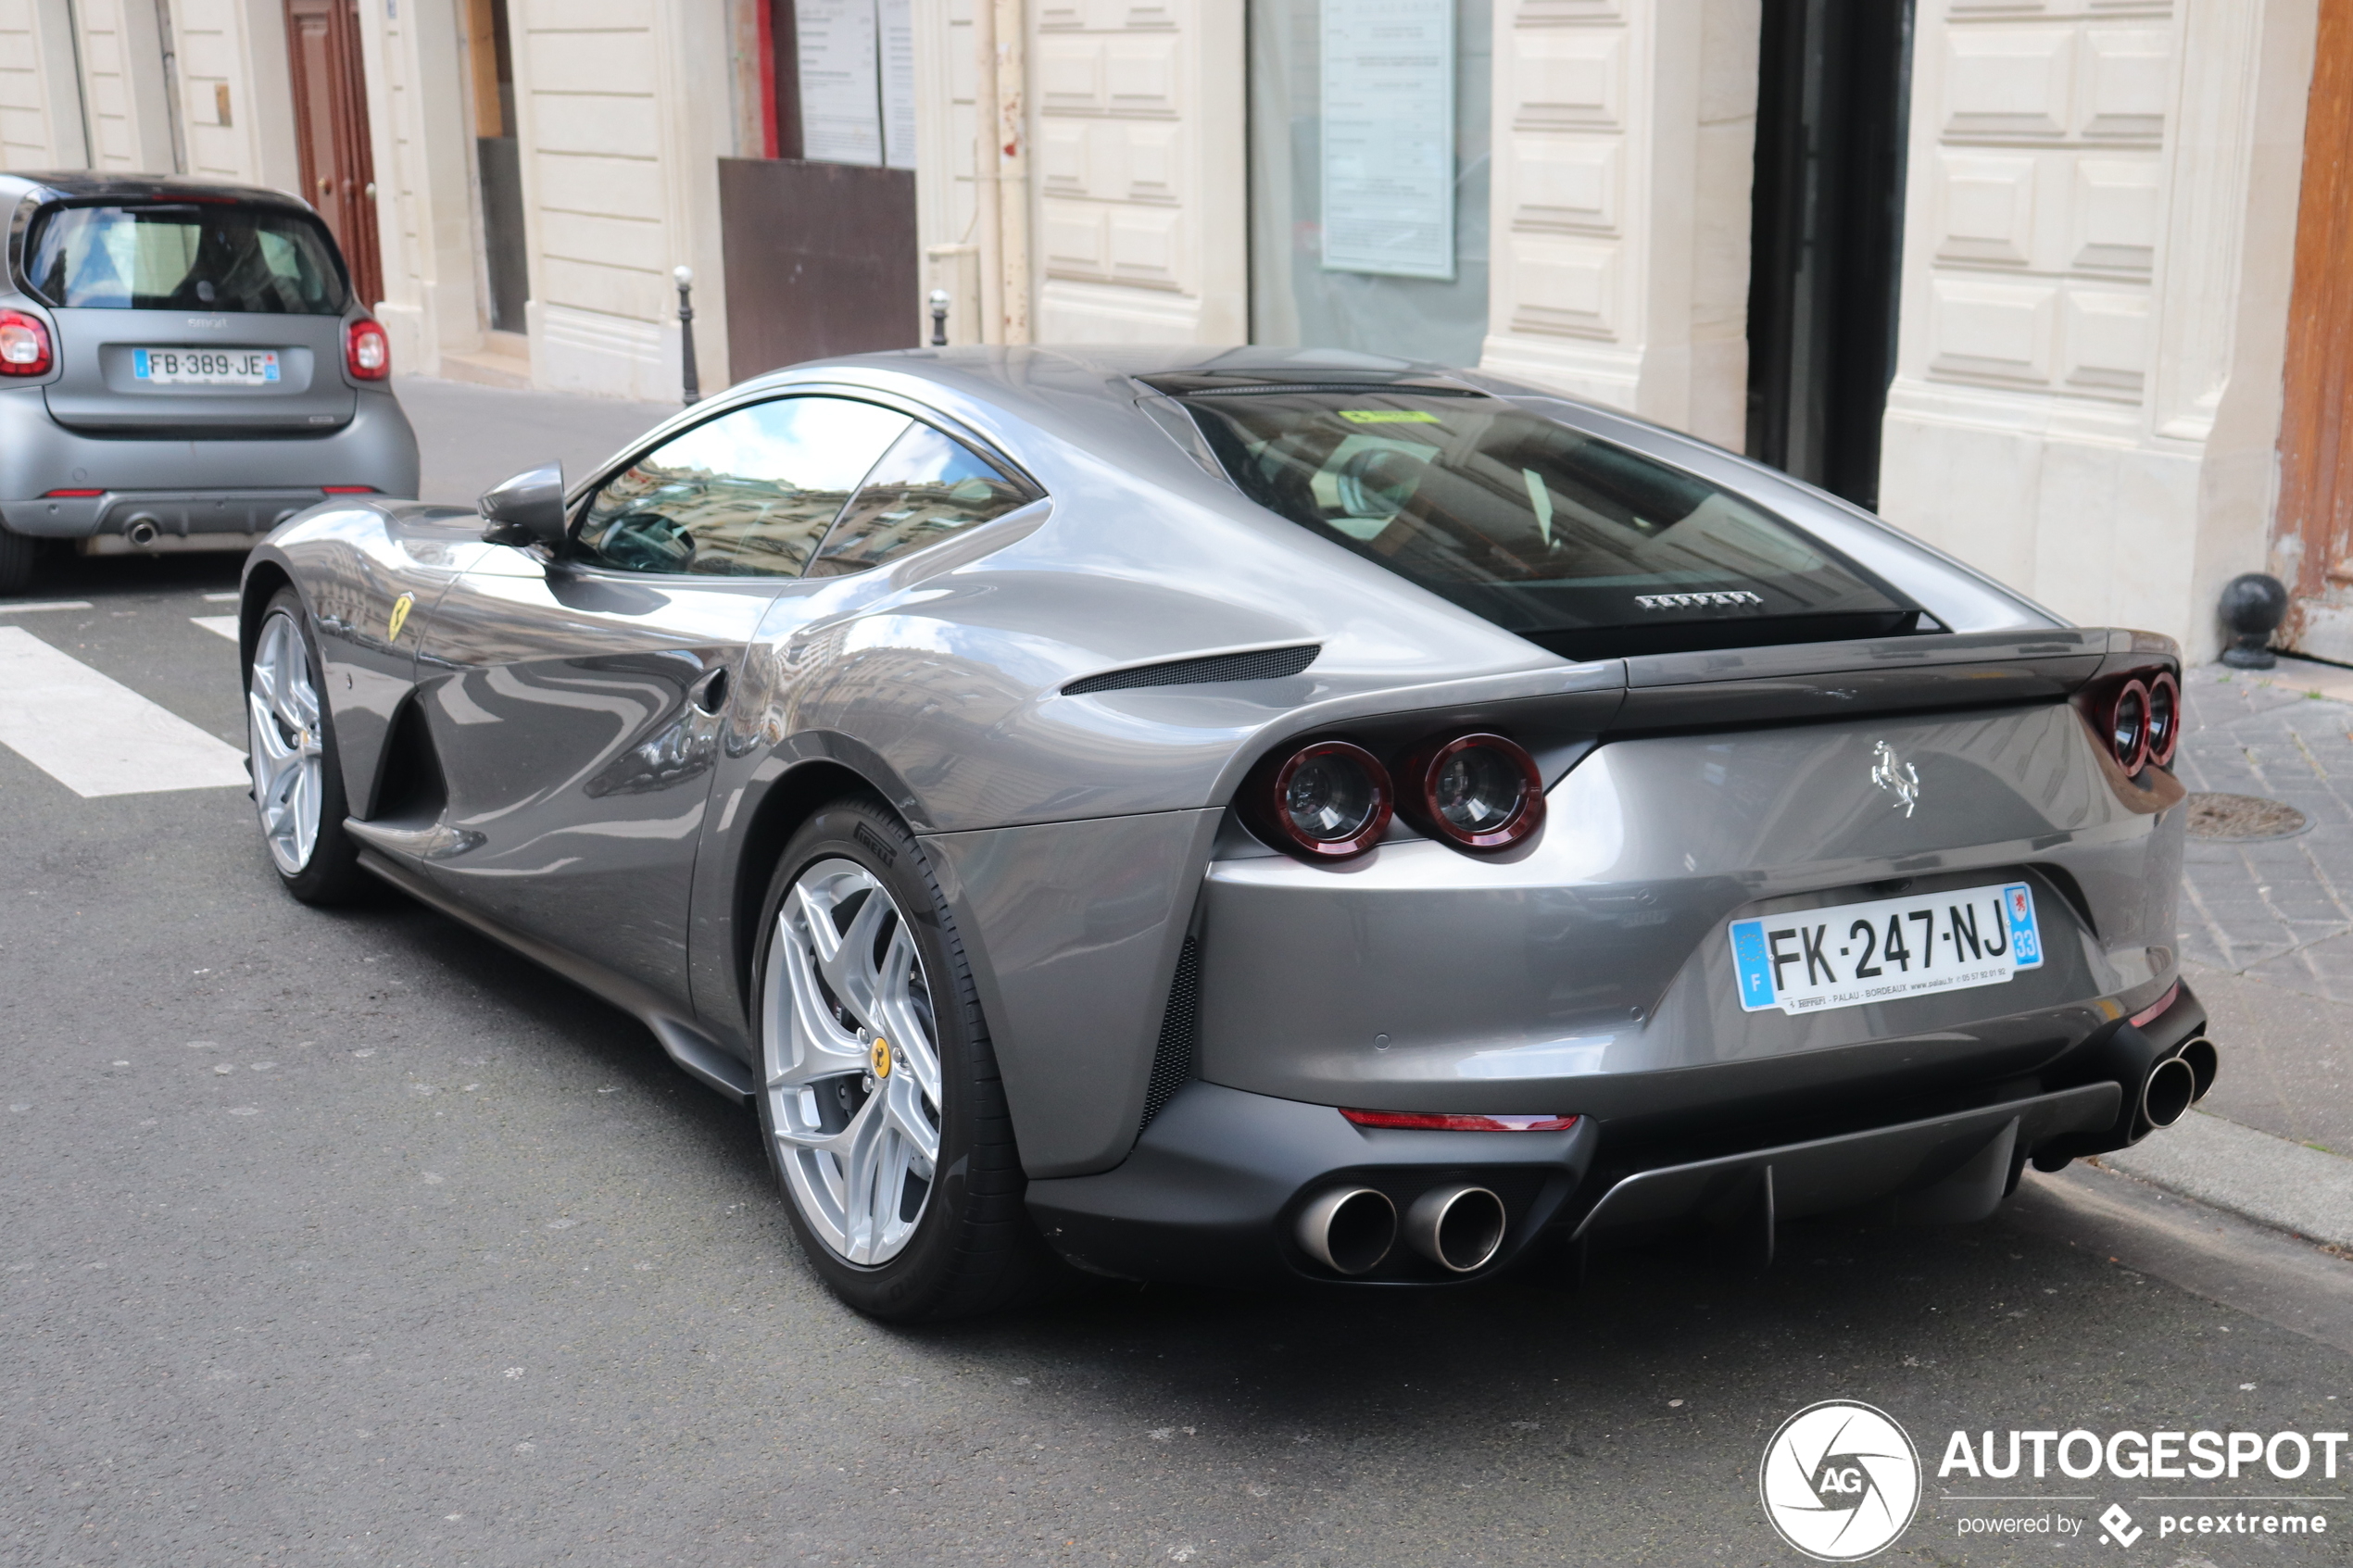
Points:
x=2253, y=606
x=685, y=280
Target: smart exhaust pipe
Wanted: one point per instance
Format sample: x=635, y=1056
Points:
x=2166, y=1096
x=1458, y=1227
x=1349, y=1230
x=2204, y=1062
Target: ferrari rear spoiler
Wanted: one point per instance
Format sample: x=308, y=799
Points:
x=1920, y=674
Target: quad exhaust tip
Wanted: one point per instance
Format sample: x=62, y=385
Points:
x=2171, y=1089
x=1349, y=1230
x=1458, y=1227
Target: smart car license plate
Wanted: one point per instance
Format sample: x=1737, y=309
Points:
x=1808, y=961
x=205, y=367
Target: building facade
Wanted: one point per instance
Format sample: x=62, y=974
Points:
x=2018, y=274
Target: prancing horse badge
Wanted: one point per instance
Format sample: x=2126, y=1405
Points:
x=400, y=608
x=1896, y=776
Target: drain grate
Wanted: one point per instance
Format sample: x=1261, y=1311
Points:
x=2239, y=818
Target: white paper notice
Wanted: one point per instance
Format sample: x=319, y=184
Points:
x=1388, y=137
x=899, y=81
x=840, y=110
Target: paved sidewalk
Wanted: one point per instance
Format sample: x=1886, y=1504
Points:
x=2267, y=942
x=2280, y=911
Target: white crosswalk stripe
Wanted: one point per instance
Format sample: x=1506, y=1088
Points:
x=219, y=626
x=97, y=736
x=22, y=608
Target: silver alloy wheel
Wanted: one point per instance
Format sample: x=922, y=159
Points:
x=282, y=726
x=851, y=1061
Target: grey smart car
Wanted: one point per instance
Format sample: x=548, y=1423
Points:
x=1256, y=816
x=182, y=366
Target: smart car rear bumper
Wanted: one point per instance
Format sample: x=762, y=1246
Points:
x=1214, y=1188
x=135, y=523
x=225, y=484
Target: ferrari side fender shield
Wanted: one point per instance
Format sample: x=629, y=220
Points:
x=1071, y=930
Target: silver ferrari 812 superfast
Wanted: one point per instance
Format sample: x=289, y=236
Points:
x=1256, y=816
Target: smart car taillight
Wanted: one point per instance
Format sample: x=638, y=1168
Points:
x=367, y=351
x=2165, y=718
x=1475, y=791
x=2128, y=726
x=24, y=344
x=1327, y=800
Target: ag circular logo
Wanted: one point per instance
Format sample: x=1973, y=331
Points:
x=1840, y=1481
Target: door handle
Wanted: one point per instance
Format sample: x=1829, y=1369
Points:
x=710, y=694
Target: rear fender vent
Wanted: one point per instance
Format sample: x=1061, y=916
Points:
x=1262, y=664
x=1179, y=1026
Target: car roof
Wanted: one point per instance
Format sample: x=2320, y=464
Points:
x=1175, y=362
x=84, y=185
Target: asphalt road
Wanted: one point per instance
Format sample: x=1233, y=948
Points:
x=349, y=1238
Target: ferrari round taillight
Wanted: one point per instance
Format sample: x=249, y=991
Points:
x=368, y=352
x=1476, y=790
x=2128, y=726
x=1329, y=800
x=24, y=344
x=2165, y=718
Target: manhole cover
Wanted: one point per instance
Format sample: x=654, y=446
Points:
x=2243, y=817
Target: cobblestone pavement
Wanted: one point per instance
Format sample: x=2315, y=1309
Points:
x=2279, y=910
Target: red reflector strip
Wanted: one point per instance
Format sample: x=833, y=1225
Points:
x=346, y=490
x=1448, y=1122
x=73, y=494
x=2158, y=1006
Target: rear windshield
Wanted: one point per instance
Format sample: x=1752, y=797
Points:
x=1577, y=543
x=192, y=256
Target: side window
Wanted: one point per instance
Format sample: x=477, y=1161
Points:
x=746, y=495
x=926, y=488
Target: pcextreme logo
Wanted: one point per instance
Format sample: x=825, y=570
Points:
x=1840, y=1481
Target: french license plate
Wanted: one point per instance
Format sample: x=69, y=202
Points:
x=205, y=367
x=1809, y=961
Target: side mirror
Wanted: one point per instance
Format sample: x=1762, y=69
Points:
x=526, y=509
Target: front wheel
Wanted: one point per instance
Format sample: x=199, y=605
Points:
x=297, y=777
x=879, y=1100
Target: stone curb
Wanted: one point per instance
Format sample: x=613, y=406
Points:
x=2253, y=1174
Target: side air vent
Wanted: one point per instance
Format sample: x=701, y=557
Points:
x=1265, y=664
x=1173, y=1057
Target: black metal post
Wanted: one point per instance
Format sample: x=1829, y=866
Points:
x=685, y=279
x=940, y=303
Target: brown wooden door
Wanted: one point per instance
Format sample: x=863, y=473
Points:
x=2313, y=538
x=331, y=132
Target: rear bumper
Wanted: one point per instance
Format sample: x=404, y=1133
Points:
x=237, y=482
x=109, y=524
x=1213, y=1189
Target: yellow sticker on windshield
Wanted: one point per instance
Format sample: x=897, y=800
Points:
x=1388, y=417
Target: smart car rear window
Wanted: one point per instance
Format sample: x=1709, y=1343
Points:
x=1579, y=544
x=185, y=255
